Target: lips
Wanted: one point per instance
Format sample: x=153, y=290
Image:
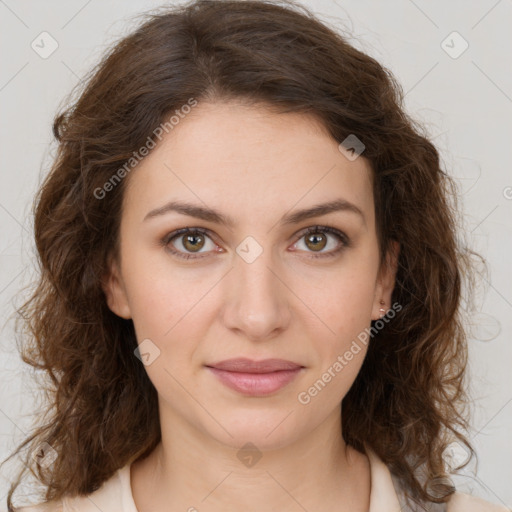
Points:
x=245, y=365
x=255, y=378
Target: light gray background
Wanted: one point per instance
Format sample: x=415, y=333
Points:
x=466, y=103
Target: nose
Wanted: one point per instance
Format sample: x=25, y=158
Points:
x=257, y=298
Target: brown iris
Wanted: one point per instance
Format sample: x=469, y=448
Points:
x=314, y=238
x=190, y=245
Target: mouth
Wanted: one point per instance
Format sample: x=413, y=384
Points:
x=255, y=378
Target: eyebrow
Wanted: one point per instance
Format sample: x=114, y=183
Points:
x=211, y=215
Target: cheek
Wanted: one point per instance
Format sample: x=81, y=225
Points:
x=341, y=299
x=172, y=310
x=153, y=305
x=158, y=294
x=342, y=306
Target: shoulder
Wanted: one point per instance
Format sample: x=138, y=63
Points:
x=49, y=506
x=113, y=496
x=462, y=502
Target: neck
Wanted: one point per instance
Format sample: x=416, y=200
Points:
x=191, y=471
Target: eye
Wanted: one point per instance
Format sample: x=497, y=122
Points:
x=316, y=238
x=187, y=239
x=187, y=243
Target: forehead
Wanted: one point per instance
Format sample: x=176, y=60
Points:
x=242, y=159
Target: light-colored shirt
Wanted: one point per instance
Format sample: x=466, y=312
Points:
x=115, y=495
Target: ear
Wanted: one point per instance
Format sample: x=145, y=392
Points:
x=115, y=292
x=386, y=281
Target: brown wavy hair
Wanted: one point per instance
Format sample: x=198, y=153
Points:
x=409, y=400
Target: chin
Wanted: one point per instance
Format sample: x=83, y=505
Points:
x=268, y=430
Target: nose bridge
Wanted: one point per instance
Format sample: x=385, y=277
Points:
x=258, y=304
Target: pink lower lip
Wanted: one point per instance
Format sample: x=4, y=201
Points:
x=255, y=384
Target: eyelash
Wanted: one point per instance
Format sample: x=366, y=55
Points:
x=345, y=241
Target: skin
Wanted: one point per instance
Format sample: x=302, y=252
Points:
x=254, y=166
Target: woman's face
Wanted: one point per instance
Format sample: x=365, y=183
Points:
x=257, y=286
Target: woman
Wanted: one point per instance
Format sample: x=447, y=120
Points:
x=251, y=282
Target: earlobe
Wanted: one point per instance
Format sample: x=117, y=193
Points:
x=115, y=294
x=386, y=282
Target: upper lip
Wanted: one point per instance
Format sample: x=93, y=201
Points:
x=242, y=364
